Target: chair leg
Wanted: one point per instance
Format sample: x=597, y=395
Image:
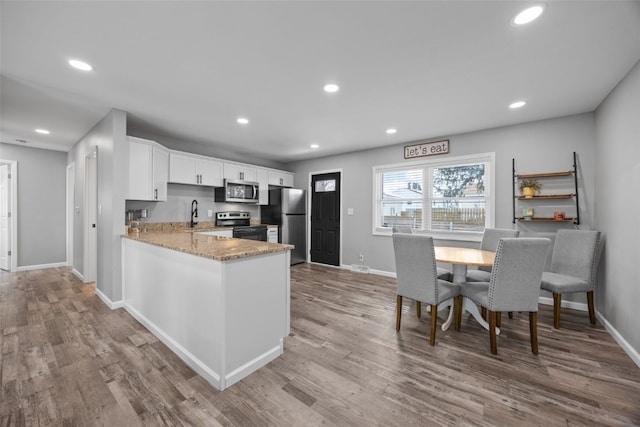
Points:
x=418, y=309
x=399, y=311
x=434, y=324
x=557, y=302
x=457, y=312
x=510, y=314
x=533, y=331
x=592, y=311
x=499, y=319
x=492, y=332
x=483, y=312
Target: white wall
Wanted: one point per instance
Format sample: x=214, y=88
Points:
x=109, y=137
x=41, y=204
x=543, y=146
x=177, y=208
x=618, y=172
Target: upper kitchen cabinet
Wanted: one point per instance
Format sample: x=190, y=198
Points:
x=148, y=170
x=280, y=178
x=185, y=168
x=263, y=186
x=240, y=172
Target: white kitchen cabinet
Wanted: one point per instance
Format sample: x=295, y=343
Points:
x=263, y=186
x=219, y=233
x=240, y=172
x=185, y=168
x=272, y=234
x=280, y=178
x=148, y=170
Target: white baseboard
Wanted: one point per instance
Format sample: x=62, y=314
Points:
x=580, y=306
x=194, y=363
x=41, y=266
x=253, y=365
x=111, y=304
x=78, y=274
x=632, y=352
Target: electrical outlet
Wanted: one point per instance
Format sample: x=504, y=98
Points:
x=361, y=257
x=210, y=213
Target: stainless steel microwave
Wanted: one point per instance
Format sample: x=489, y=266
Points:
x=237, y=192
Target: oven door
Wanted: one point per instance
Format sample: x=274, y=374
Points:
x=251, y=233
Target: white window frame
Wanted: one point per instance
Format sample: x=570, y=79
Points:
x=489, y=193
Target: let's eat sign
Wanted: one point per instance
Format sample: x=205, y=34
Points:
x=426, y=149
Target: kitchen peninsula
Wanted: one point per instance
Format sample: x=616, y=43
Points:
x=221, y=304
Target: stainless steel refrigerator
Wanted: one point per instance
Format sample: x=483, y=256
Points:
x=287, y=209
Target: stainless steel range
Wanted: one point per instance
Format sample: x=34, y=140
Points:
x=241, y=223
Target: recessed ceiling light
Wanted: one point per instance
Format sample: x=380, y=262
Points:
x=528, y=15
x=517, y=104
x=314, y=146
x=391, y=131
x=80, y=65
x=242, y=120
x=331, y=88
x=43, y=131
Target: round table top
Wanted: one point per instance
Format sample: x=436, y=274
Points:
x=466, y=256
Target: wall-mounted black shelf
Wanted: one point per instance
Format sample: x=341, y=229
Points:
x=567, y=196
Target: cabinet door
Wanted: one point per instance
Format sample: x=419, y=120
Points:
x=280, y=178
x=210, y=172
x=272, y=234
x=239, y=172
x=160, y=173
x=182, y=169
x=140, y=171
x=262, y=176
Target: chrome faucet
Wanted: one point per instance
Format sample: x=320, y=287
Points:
x=194, y=212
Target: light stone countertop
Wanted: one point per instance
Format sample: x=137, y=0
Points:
x=214, y=247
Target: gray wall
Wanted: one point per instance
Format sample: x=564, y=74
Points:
x=177, y=208
x=109, y=137
x=618, y=171
x=543, y=146
x=41, y=204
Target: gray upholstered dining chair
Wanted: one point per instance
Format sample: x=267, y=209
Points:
x=574, y=263
x=443, y=273
x=514, y=284
x=417, y=279
x=489, y=242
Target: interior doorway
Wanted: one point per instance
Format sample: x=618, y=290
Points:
x=325, y=218
x=91, y=218
x=8, y=214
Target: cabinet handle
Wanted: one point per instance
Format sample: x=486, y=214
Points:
x=241, y=175
x=281, y=181
x=155, y=195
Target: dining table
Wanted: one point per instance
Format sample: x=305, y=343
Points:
x=460, y=259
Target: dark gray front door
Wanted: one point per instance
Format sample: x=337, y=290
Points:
x=325, y=218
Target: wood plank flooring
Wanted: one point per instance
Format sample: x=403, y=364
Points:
x=67, y=360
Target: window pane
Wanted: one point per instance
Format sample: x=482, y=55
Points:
x=406, y=213
x=458, y=214
x=458, y=181
x=402, y=185
x=325, y=186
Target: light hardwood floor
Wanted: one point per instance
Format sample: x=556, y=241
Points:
x=69, y=360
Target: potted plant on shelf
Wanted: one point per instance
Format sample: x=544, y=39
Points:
x=529, y=187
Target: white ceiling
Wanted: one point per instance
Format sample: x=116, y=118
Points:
x=186, y=70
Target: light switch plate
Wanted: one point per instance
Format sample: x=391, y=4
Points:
x=349, y=211
x=210, y=213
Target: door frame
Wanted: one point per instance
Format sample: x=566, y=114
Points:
x=90, y=252
x=309, y=205
x=13, y=208
x=71, y=202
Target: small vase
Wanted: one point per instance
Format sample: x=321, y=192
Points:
x=528, y=192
